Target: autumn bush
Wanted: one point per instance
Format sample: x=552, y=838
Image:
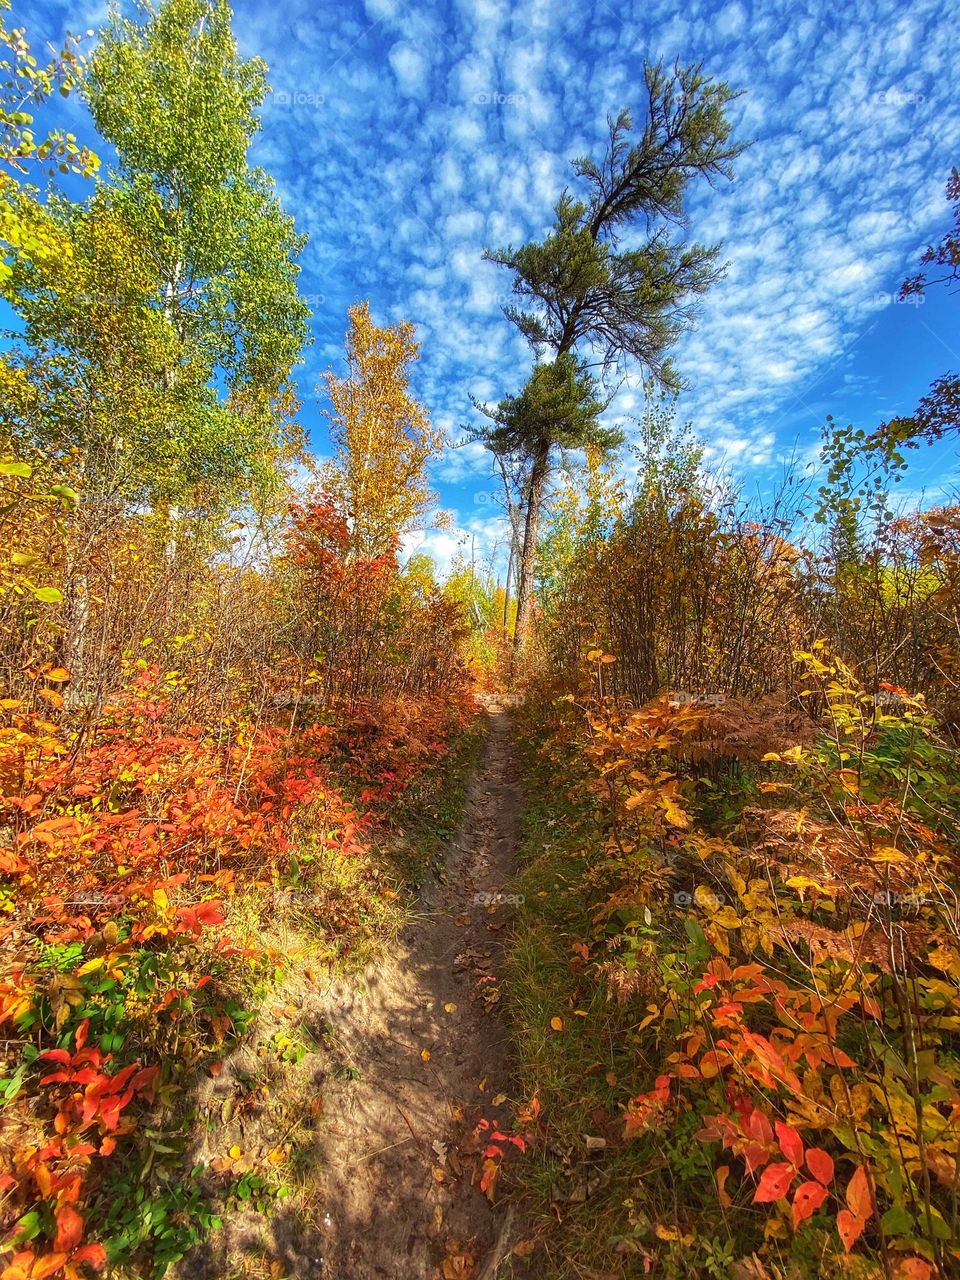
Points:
x=771, y=910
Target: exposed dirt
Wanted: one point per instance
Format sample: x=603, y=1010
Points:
x=414, y=1051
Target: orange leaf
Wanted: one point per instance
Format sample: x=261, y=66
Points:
x=19, y=1266
x=820, y=1164
x=774, y=1184
x=859, y=1200
x=48, y=1265
x=850, y=1228
x=69, y=1229
x=913, y=1269
x=807, y=1199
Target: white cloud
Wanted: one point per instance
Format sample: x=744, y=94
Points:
x=410, y=67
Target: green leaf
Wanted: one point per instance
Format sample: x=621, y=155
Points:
x=897, y=1221
x=65, y=493
x=20, y=560
x=48, y=595
x=21, y=469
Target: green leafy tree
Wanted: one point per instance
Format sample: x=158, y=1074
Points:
x=171, y=93
x=583, y=293
x=26, y=84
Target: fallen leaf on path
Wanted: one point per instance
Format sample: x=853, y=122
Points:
x=491, y=1171
x=524, y=1248
x=450, y=1007
x=557, y=1024
x=425, y=1055
x=458, y=1265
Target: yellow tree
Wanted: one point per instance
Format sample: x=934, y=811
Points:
x=382, y=435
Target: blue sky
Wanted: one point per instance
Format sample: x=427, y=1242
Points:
x=407, y=137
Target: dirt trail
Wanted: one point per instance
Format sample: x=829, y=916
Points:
x=391, y=1176
x=396, y=1130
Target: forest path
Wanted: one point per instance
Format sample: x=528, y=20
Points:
x=410, y=1054
x=423, y=1028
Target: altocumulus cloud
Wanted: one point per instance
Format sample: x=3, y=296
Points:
x=407, y=137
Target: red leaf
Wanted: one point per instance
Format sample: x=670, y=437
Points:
x=774, y=1184
x=56, y=1055
x=807, y=1199
x=758, y=1126
x=820, y=1164
x=69, y=1229
x=859, y=1200
x=755, y=1156
x=850, y=1228
x=791, y=1144
x=94, y=1255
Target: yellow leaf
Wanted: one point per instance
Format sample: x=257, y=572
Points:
x=557, y=1024
x=672, y=1233
x=674, y=814
x=889, y=854
x=235, y=1152
x=425, y=1055
x=449, y=1007
x=160, y=899
x=91, y=966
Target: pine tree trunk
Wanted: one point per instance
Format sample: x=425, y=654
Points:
x=528, y=556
